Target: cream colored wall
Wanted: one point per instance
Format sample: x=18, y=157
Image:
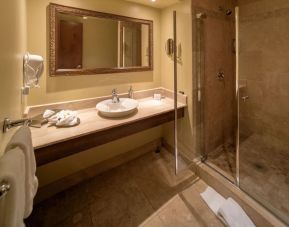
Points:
x=184, y=39
x=12, y=49
x=62, y=88
x=56, y=89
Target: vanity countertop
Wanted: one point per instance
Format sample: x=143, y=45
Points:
x=92, y=122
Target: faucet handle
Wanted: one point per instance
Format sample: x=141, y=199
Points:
x=114, y=91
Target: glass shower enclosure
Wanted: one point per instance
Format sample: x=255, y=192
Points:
x=242, y=98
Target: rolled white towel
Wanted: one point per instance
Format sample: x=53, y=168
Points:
x=234, y=215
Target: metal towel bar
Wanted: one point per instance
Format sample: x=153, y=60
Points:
x=10, y=124
x=4, y=188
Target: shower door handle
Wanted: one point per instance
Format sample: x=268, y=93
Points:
x=245, y=98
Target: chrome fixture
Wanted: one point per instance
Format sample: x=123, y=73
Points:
x=10, y=124
x=221, y=75
x=115, y=98
x=4, y=188
x=130, y=92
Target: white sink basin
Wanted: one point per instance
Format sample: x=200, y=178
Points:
x=125, y=107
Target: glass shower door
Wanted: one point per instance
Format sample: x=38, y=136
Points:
x=182, y=35
x=263, y=71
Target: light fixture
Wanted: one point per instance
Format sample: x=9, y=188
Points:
x=153, y=0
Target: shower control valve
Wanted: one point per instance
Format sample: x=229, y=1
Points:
x=245, y=98
x=221, y=75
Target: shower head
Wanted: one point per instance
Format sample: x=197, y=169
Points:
x=201, y=16
x=227, y=12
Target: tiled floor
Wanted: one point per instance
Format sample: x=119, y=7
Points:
x=143, y=192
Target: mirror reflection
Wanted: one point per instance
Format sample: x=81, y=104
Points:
x=86, y=42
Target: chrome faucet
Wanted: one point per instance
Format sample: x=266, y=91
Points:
x=115, y=98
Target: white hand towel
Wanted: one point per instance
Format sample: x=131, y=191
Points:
x=48, y=113
x=12, y=205
x=64, y=118
x=213, y=199
x=234, y=215
x=22, y=139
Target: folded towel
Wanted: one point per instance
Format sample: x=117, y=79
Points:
x=64, y=118
x=234, y=215
x=48, y=113
x=22, y=139
x=12, y=205
x=213, y=199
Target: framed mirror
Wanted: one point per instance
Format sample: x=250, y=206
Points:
x=89, y=42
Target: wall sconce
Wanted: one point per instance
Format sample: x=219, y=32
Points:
x=169, y=48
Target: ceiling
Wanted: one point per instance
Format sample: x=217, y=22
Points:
x=157, y=4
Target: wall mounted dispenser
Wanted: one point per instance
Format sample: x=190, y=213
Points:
x=32, y=70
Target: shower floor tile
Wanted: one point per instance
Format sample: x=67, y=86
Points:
x=142, y=192
x=264, y=170
x=224, y=160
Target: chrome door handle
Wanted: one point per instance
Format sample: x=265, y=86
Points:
x=245, y=98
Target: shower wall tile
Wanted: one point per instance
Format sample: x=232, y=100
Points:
x=213, y=5
x=253, y=7
x=219, y=94
x=264, y=54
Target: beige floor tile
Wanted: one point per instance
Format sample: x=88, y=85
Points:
x=176, y=213
x=142, y=192
x=118, y=201
x=79, y=219
x=153, y=221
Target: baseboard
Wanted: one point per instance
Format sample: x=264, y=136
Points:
x=60, y=185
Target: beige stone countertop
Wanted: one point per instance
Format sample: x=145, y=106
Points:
x=91, y=121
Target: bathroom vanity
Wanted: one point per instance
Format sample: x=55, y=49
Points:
x=51, y=143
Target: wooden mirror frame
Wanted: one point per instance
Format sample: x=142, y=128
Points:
x=55, y=9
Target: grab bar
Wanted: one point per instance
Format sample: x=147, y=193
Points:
x=4, y=188
x=10, y=124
